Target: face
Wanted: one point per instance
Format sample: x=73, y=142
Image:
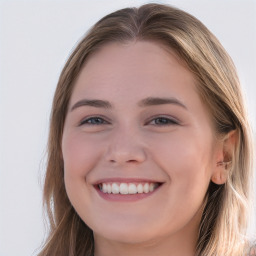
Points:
x=138, y=145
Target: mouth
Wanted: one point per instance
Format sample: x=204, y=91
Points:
x=128, y=188
x=126, y=191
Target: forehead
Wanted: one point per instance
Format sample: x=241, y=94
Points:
x=141, y=66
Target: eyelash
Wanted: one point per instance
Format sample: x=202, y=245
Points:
x=88, y=121
x=166, y=121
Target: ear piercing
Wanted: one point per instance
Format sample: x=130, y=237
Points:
x=223, y=163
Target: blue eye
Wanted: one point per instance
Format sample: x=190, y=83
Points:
x=93, y=121
x=161, y=121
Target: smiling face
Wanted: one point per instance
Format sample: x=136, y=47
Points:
x=135, y=119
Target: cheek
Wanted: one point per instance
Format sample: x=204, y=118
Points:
x=80, y=154
x=186, y=158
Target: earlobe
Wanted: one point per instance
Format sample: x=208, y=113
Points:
x=218, y=179
x=221, y=173
x=226, y=154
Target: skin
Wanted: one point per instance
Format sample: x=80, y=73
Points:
x=169, y=143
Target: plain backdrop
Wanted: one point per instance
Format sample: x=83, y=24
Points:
x=36, y=38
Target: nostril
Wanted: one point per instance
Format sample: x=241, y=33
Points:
x=125, y=161
x=131, y=161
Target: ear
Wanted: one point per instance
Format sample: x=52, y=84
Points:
x=225, y=152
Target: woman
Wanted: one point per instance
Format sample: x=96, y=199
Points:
x=149, y=149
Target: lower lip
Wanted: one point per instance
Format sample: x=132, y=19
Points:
x=125, y=198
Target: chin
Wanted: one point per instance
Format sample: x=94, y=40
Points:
x=126, y=237
x=128, y=232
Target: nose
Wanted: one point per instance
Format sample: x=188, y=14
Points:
x=125, y=147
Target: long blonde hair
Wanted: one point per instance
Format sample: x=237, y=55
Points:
x=225, y=216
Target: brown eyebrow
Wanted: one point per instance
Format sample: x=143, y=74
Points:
x=150, y=101
x=92, y=103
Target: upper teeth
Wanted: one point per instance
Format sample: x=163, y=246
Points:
x=127, y=188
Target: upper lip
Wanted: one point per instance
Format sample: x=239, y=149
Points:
x=126, y=180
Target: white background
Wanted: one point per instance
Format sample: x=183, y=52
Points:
x=36, y=38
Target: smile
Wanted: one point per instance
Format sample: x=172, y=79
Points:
x=128, y=188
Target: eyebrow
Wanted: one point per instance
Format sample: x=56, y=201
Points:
x=92, y=103
x=150, y=101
